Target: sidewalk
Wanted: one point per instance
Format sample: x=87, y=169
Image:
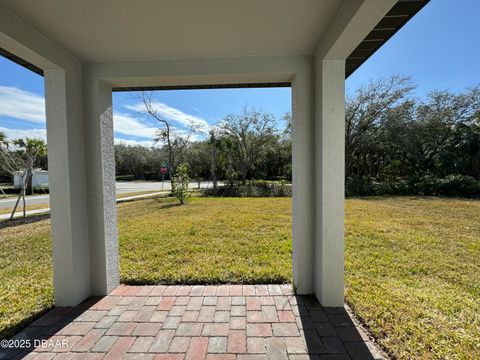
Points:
x=46, y=210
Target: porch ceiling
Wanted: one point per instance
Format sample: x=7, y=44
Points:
x=121, y=30
x=161, y=29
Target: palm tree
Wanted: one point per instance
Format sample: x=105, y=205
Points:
x=22, y=161
x=3, y=138
x=31, y=149
x=3, y=146
x=227, y=144
x=214, y=143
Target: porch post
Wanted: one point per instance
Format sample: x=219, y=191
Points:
x=329, y=177
x=303, y=166
x=71, y=259
x=100, y=181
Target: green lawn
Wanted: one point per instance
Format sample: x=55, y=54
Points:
x=209, y=241
x=413, y=274
x=412, y=264
x=26, y=285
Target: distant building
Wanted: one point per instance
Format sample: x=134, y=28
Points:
x=40, y=179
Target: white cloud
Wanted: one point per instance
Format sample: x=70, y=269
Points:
x=27, y=106
x=128, y=125
x=173, y=114
x=13, y=134
x=22, y=133
x=23, y=105
x=130, y=142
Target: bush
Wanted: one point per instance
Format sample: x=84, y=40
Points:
x=450, y=186
x=253, y=188
x=125, y=177
x=392, y=188
x=180, y=184
x=358, y=186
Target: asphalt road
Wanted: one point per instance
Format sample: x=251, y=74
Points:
x=122, y=188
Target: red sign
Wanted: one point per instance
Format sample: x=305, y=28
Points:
x=163, y=170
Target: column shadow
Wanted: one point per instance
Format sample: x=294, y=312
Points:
x=332, y=332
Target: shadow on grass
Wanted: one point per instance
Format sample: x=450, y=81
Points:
x=43, y=327
x=161, y=205
x=14, y=328
x=186, y=281
x=23, y=221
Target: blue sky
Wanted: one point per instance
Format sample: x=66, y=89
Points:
x=439, y=49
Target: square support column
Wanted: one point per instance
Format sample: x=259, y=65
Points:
x=303, y=166
x=71, y=257
x=100, y=181
x=82, y=186
x=330, y=180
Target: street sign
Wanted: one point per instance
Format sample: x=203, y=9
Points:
x=163, y=171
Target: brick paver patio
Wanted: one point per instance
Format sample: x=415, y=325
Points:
x=242, y=322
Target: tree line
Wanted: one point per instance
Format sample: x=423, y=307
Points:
x=399, y=144
x=249, y=145
x=396, y=143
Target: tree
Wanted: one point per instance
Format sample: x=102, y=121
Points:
x=197, y=156
x=228, y=148
x=32, y=149
x=438, y=121
x=4, y=171
x=214, y=143
x=181, y=180
x=249, y=133
x=363, y=113
x=21, y=161
x=175, y=140
x=411, y=143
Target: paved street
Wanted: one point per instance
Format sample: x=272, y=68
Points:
x=122, y=188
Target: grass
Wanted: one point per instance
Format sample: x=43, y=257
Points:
x=26, y=286
x=412, y=264
x=209, y=241
x=20, y=208
x=413, y=274
x=124, y=195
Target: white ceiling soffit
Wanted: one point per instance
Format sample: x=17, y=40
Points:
x=161, y=29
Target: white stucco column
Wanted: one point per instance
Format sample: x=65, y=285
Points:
x=329, y=178
x=303, y=179
x=100, y=183
x=71, y=257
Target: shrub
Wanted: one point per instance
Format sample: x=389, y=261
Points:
x=459, y=186
x=253, y=188
x=180, y=184
x=125, y=177
x=451, y=186
x=393, y=188
x=358, y=186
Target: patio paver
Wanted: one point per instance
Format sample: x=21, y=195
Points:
x=196, y=322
